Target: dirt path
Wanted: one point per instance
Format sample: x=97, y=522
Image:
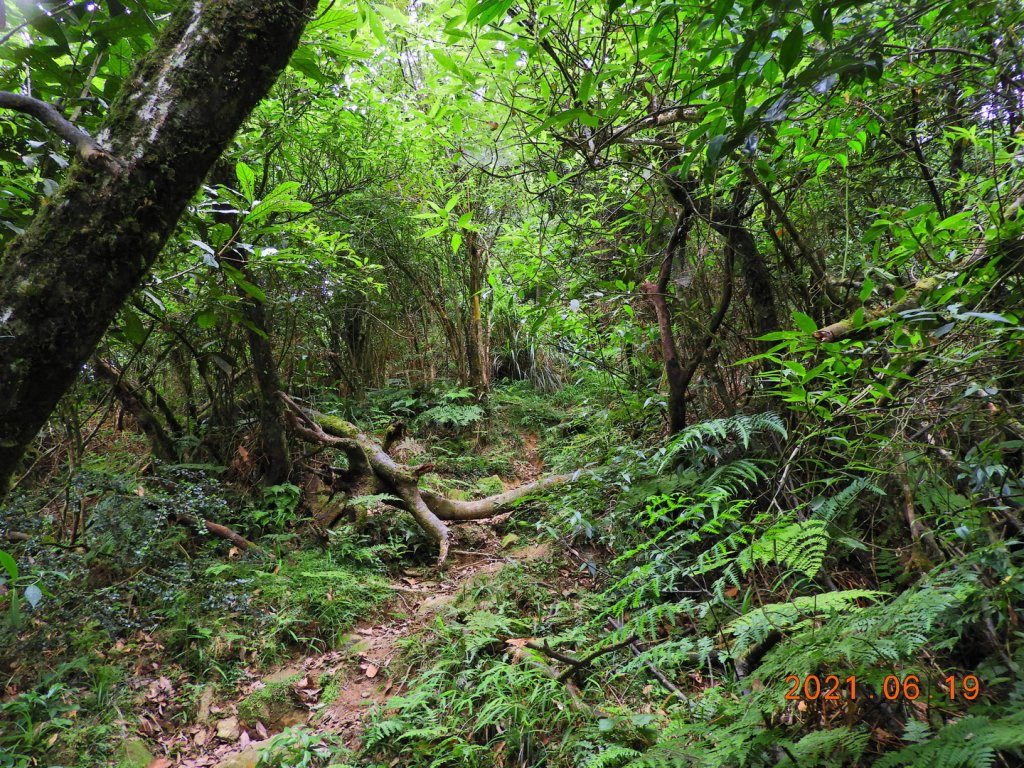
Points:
x=334, y=691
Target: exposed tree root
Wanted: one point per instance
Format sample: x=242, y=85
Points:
x=372, y=470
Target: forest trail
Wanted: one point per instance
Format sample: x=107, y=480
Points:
x=335, y=690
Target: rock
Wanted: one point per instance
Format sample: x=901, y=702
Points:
x=489, y=486
x=247, y=758
x=228, y=729
x=434, y=604
x=204, y=706
x=355, y=644
x=286, y=675
x=273, y=701
x=532, y=552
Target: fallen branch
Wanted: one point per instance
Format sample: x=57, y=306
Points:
x=220, y=531
x=373, y=471
x=660, y=676
x=577, y=665
x=844, y=328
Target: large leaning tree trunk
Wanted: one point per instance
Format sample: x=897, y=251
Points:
x=63, y=280
x=371, y=470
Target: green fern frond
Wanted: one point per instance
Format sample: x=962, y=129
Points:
x=716, y=430
x=972, y=742
x=833, y=748
x=829, y=509
x=613, y=757
x=798, y=546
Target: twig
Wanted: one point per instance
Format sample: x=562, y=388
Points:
x=658, y=674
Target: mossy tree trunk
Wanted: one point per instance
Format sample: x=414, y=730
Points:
x=63, y=280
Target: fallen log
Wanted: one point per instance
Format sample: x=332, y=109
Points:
x=843, y=328
x=372, y=471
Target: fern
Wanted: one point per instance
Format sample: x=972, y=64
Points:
x=828, y=510
x=834, y=748
x=968, y=743
x=372, y=500
x=451, y=415
x=613, y=757
x=798, y=546
x=705, y=432
x=753, y=627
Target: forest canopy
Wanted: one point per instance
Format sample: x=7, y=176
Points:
x=498, y=383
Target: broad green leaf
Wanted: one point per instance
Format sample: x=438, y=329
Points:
x=246, y=181
x=393, y=15
x=134, y=330
x=821, y=18
x=715, y=150
x=804, y=322
x=8, y=564
x=792, y=48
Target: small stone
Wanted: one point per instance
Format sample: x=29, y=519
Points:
x=228, y=729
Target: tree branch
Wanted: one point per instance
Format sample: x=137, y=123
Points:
x=86, y=146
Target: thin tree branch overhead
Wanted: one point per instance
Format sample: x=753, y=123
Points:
x=87, y=147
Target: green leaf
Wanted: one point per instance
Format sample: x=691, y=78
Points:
x=866, y=289
x=446, y=61
x=304, y=60
x=206, y=319
x=586, y=87
x=792, y=48
x=804, y=322
x=456, y=242
x=9, y=565
x=715, y=150
x=238, y=279
x=821, y=18
x=280, y=200
x=488, y=10
x=134, y=330
x=375, y=26
x=246, y=181
x=393, y=15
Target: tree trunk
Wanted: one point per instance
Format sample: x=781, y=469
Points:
x=273, y=441
x=658, y=294
x=756, y=275
x=63, y=280
x=477, y=356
